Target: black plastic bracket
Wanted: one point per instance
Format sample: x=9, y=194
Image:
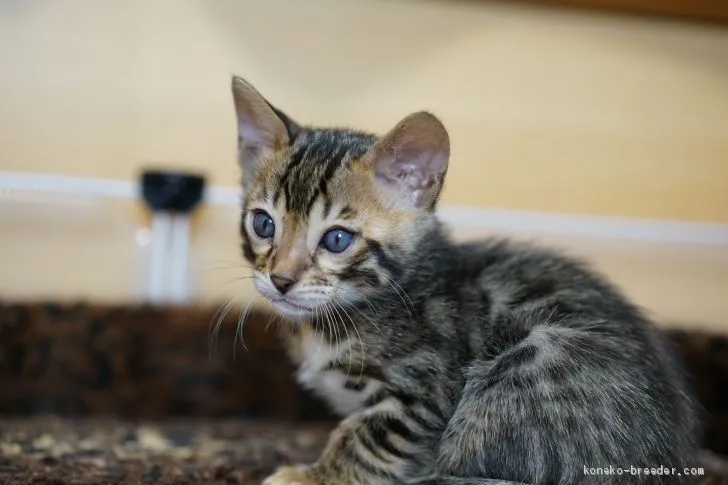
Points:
x=172, y=191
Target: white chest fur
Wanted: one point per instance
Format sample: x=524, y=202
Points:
x=315, y=357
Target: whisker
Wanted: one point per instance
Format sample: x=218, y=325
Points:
x=365, y=317
x=318, y=319
x=391, y=282
x=321, y=331
x=228, y=267
x=361, y=342
x=348, y=339
x=239, y=331
x=368, y=302
x=236, y=279
x=273, y=317
x=218, y=317
x=333, y=330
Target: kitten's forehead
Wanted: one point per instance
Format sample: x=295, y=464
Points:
x=315, y=158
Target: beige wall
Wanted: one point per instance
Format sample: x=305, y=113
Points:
x=548, y=110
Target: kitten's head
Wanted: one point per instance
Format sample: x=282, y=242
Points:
x=332, y=216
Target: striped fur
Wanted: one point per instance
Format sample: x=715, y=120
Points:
x=488, y=363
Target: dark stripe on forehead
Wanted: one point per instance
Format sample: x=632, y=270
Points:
x=325, y=153
x=297, y=157
x=317, y=155
x=347, y=213
x=333, y=163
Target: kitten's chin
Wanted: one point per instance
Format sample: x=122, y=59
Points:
x=291, y=310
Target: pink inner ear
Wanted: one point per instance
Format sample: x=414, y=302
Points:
x=413, y=174
x=248, y=133
x=414, y=158
x=419, y=171
x=251, y=134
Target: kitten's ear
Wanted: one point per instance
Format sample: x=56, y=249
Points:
x=411, y=160
x=262, y=129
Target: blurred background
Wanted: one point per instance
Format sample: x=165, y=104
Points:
x=603, y=113
x=599, y=126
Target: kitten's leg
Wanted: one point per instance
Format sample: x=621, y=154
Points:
x=559, y=403
x=385, y=444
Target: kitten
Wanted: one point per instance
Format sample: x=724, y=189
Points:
x=486, y=363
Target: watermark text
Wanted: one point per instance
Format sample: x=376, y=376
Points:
x=636, y=471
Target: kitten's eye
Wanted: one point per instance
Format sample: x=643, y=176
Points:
x=336, y=240
x=263, y=225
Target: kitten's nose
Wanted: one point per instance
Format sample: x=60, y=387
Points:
x=282, y=282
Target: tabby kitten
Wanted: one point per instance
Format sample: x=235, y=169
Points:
x=486, y=363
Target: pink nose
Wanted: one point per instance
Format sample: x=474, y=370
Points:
x=282, y=282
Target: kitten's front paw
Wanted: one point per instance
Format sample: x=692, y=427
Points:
x=292, y=475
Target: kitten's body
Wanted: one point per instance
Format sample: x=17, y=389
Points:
x=562, y=358
x=493, y=360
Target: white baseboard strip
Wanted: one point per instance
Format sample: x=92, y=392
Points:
x=23, y=185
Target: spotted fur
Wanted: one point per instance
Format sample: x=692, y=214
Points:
x=490, y=362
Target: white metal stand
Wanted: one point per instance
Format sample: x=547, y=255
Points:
x=158, y=258
x=168, y=266
x=178, y=280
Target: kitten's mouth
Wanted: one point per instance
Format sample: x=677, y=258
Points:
x=290, y=309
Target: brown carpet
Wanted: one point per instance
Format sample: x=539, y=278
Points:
x=113, y=394
x=61, y=451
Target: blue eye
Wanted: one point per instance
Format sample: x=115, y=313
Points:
x=263, y=225
x=336, y=240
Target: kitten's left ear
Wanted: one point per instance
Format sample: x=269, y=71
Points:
x=262, y=129
x=411, y=160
